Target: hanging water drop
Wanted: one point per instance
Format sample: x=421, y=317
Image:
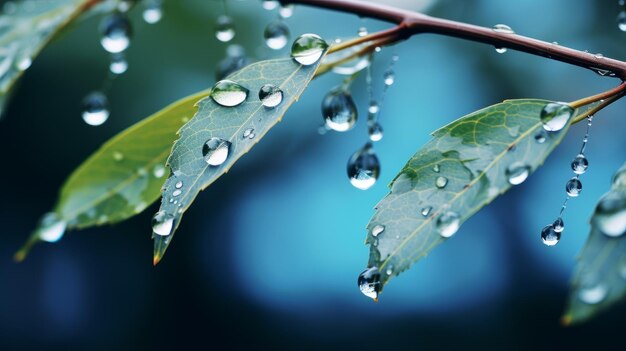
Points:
x=363, y=168
x=162, y=223
x=377, y=230
x=375, y=131
x=95, y=109
x=224, y=29
x=426, y=211
x=580, y=164
x=592, y=295
x=610, y=215
x=373, y=108
x=276, y=35
x=503, y=28
x=573, y=187
x=270, y=4
x=555, y=116
x=501, y=49
x=228, y=93
x=389, y=77
x=152, y=12
x=621, y=21
x=51, y=228
x=116, y=32
x=549, y=236
x=369, y=283
x=285, y=11
x=362, y=32
x=448, y=224
x=307, y=49
x=389, y=270
x=517, y=173
x=215, y=151
x=270, y=95
x=118, y=64
x=558, y=225
x=441, y=182
x=339, y=110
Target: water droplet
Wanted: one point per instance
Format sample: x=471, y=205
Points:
x=224, y=29
x=339, y=110
x=362, y=32
x=158, y=171
x=580, y=164
x=549, y=236
x=178, y=184
x=162, y=223
x=558, y=225
x=153, y=12
x=276, y=35
x=448, y=224
x=441, y=182
x=389, y=270
x=501, y=50
x=307, y=49
x=116, y=31
x=426, y=211
x=228, y=93
x=24, y=63
x=592, y=295
x=377, y=230
x=95, y=108
x=270, y=95
x=540, y=137
x=503, y=28
x=369, y=283
x=51, y=228
x=375, y=132
x=389, y=77
x=621, y=21
x=118, y=156
x=248, y=133
x=363, y=168
x=270, y=4
x=235, y=60
x=555, y=116
x=215, y=151
x=378, y=49
x=177, y=192
x=373, y=108
x=118, y=64
x=573, y=187
x=610, y=215
x=598, y=55
x=285, y=11
x=436, y=168
x=517, y=173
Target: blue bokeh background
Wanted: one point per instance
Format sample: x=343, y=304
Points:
x=268, y=256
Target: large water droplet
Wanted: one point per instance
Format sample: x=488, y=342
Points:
x=224, y=29
x=517, y=173
x=307, y=49
x=610, y=215
x=51, y=228
x=375, y=132
x=369, y=283
x=228, y=93
x=503, y=28
x=573, y=187
x=363, y=168
x=555, y=116
x=441, y=182
x=580, y=164
x=270, y=95
x=592, y=295
x=153, y=12
x=558, y=225
x=215, y=151
x=116, y=31
x=448, y=224
x=377, y=230
x=621, y=21
x=339, y=110
x=95, y=108
x=118, y=64
x=276, y=35
x=162, y=223
x=549, y=236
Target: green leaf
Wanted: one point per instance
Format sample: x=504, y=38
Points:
x=474, y=157
x=25, y=28
x=190, y=171
x=124, y=176
x=600, y=277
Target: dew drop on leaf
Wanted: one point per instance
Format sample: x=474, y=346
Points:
x=176, y=192
x=580, y=164
x=363, y=168
x=339, y=110
x=377, y=230
x=162, y=223
x=549, y=236
x=52, y=228
x=95, y=108
x=270, y=95
x=276, y=35
x=610, y=215
x=448, y=224
x=228, y=93
x=573, y=187
x=389, y=270
x=441, y=182
x=116, y=31
x=436, y=168
x=592, y=295
x=426, y=211
x=517, y=173
x=224, y=29
x=178, y=184
x=555, y=116
x=215, y=151
x=248, y=133
x=369, y=283
x=307, y=49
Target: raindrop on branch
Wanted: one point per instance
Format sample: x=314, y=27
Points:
x=503, y=28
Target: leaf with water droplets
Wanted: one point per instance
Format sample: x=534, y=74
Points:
x=600, y=277
x=124, y=176
x=217, y=136
x=468, y=163
x=25, y=28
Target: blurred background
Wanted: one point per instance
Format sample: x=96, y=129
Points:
x=269, y=255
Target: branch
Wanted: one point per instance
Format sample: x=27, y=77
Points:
x=411, y=23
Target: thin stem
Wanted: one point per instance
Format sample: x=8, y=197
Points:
x=605, y=95
x=593, y=111
x=386, y=34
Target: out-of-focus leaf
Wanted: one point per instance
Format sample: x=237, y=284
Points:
x=124, y=176
x=242, y=126
x=467, y=164
x=600, y=277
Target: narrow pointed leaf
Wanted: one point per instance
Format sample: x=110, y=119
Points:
x=25, y=28
x=467, y=164
x=125, y=175
x=600, y=277
x=242, y=126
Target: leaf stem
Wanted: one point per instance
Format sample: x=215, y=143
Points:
x=600, y=106
x=618, y=90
